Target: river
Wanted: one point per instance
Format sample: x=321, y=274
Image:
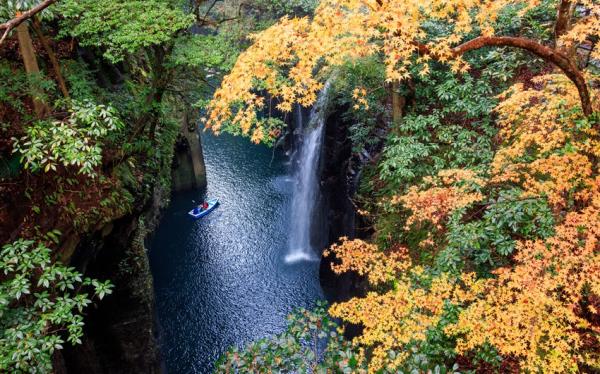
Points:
x=223, y=280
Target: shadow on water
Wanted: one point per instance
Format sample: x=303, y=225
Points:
x=222, y=280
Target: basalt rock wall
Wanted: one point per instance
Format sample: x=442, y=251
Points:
x=120, y=330
x=339, y=178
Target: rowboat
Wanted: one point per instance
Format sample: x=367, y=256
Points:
x=212, y=204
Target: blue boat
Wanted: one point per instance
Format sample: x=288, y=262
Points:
x=212, y=204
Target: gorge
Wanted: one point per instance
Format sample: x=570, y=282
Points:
x=217, y=286
x=403, y=186
x=234, y=276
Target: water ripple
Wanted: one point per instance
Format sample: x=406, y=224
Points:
x=223, y=280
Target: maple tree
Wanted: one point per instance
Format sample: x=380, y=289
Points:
x=286, y=59
x=541, y=309
x=535, y=302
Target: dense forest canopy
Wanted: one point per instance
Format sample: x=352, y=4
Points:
x=480, y=250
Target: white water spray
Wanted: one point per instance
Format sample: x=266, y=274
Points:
x=306, y=187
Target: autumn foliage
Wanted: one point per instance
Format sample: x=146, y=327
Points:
x=540, y=309
x=448, y=191
x=288, y=59
x=537, y=302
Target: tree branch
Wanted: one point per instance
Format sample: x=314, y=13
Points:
x=562, y=61
x=204, y=20
x=37, y=28
x=553, y=56
x=13, y=23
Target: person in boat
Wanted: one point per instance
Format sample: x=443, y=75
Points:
x=200, y=208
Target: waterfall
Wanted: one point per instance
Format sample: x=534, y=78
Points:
x=306, y=187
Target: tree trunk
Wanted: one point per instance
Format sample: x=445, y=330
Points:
x=161, y=76
x=31, y=65
x=398, y=103
x=564, y=15
x=37, y=27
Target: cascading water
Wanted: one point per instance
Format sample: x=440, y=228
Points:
x=306, y=187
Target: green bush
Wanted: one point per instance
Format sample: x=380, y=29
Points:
x=367, y=73
x=311, y=343
x=75, y=141
x=488, y=242
x=41, y=303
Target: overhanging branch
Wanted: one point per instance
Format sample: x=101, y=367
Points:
x=13, y=23
x=568, y=67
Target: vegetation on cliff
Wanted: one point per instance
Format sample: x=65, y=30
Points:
x=484, y=203
x=92, y=96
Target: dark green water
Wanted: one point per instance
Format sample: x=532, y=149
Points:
x=222, y=280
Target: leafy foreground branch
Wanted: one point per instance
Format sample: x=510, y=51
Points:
x=41, y=306
x=311, y=343
x=12, y=24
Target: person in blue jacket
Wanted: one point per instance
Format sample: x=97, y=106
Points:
x=198, y=209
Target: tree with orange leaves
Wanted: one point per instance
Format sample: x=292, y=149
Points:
x=288, y=59
x=536, y=301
